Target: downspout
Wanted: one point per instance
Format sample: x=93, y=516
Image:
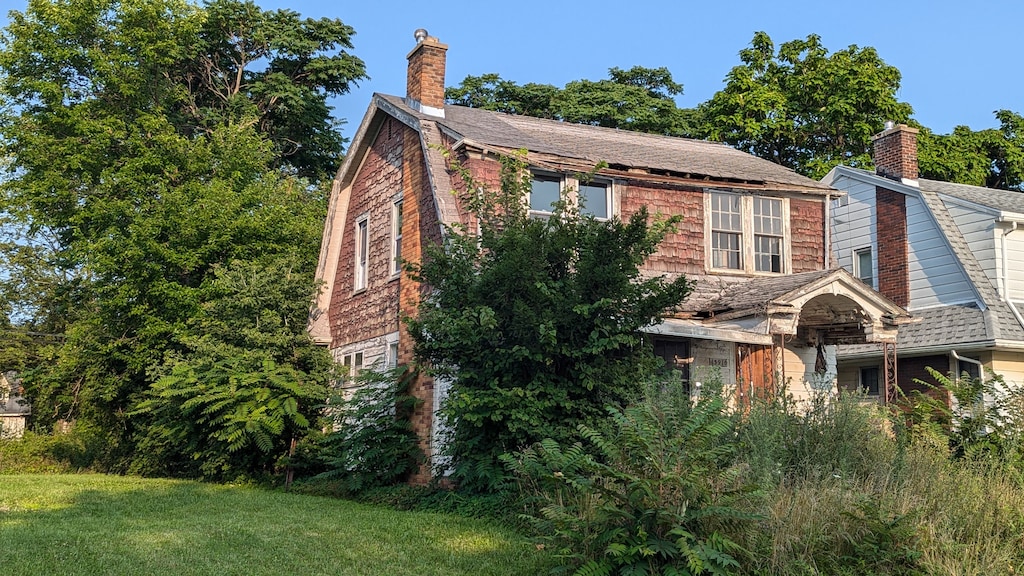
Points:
x=1006, y=272
x=981, y=367
x=979, y=402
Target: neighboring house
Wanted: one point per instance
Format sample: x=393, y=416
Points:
x=949, y=253
x=14, y=409
x=754, y=237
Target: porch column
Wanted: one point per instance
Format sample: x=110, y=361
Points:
x=889, y=366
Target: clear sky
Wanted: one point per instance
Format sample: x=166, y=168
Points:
x=960, y=60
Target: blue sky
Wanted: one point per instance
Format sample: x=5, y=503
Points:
x=960, y=60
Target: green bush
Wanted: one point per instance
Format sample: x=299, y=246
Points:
x=536, y=323
x=657, y=496
x=80, y=449
x=373, y=443
x=827, y=436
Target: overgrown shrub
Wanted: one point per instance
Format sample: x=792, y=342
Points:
x=373, y=443
x=984, y=418
x=655, y=496
x=80, y=449
x=828, y=435
x=535, y=322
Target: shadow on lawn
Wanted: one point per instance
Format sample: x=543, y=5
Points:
x=186, y=528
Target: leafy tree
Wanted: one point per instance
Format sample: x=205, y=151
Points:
x=993, y=157
x=639, y=99
x=535, y=322
x=149, y=145
x=803, y=107
x=249, y=379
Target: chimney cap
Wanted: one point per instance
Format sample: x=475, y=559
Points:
x=420, y=34
x=889, y=124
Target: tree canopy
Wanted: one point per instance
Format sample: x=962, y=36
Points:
x=151, y=146
x=804, y=108
x=993, y=157
x=640, y=99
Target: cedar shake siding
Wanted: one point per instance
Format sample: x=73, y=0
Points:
x=683, y=251
x=358, y=315
x=807, y=235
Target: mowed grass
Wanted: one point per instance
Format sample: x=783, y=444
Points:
x=95, y=524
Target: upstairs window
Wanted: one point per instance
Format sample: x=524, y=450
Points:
x=726, y=232
x=863, y=267
x=767, y=234
x=396, y=237
x=747, y=233
x=362, y=251
x=593, y=197
x=545, y=191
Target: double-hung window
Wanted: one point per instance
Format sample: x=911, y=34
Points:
x=767, y=234
x=593, y=197
x=396, y=237
x=747, y=233
x=362, y=251
x=726, y=232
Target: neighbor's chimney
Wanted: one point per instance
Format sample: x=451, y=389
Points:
x=895, y=153
x=425, y=86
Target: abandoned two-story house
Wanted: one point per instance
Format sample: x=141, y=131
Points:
x=767, y=307
x=950, y=253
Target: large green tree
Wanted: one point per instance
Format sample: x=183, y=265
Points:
x=804, y=108
x=150, y=144
x=993, y=157
x=640, y=99
x=536, y=322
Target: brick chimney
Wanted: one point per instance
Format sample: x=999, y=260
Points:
x=425, y=85
x=895, y=156
x=895, y=153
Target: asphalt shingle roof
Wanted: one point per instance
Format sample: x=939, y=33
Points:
x=593, y=144
x=1003, y=200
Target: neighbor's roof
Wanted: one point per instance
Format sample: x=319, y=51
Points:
x=1001, y=200
x=593, y=144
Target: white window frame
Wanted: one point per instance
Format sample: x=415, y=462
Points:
x=858, y=269
x=568, y=186
x=748, y=261
x=397, y=216
x=362, y=249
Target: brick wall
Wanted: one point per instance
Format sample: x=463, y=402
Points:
x=356, y=316
x=807, y=231
x=420, y=227
x=895, y=153
x=913, y=368
x=893, y=275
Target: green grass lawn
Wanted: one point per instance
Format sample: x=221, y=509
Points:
x=93, y=524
